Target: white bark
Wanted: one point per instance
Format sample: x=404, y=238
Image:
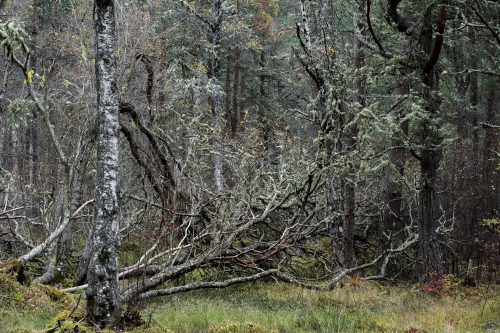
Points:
x=207, y=285
x=305, y=25
x=218, y=160
x=103, y=301
x=216, y=97
x=41, y=247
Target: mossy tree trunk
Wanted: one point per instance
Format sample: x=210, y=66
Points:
x=429, y=45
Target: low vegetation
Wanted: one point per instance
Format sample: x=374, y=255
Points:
x=357, y=307
x=268, y=307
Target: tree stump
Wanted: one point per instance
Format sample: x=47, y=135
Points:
x=470, y=278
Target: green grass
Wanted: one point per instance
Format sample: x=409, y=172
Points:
x=29, y=309
x=357, y=307
x=367, y=307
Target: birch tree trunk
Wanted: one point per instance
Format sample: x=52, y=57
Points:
x=216, y=95
x=103, y=301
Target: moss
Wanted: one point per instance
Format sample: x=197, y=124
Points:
x=53, y=293
x=18, y=296
x=69, y=326
x=60, y=278
x=63, y=323
x=63, y=320
x=16, y=269
x=130, y=247
x=7, y=284
x=246, y=327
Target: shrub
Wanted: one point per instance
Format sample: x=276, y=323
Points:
x=440, y=284
x=64, y=323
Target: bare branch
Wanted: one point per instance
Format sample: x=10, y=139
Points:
x=370, y=28
x=207, y=285
x=483, y=21
x=42, y=246
x=5, y=212
x=403, y=24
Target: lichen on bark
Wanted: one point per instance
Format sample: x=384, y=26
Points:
x=103, y=300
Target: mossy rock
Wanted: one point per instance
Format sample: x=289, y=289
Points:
x=64, y=323
x=53, y=293
x=246, y=327
x=8, y=284
x=16, y=269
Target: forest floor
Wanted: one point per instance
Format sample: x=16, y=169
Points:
x=357, y=307
x=271, y=307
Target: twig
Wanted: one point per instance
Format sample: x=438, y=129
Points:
x=370, y=28
x=74, y=308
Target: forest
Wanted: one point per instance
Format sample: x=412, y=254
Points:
x=154, y=147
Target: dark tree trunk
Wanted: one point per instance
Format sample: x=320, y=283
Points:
x=429, y=245
x=5, y=153
x=394, y=190
x=431, y=151
x=475, y=129
x=227, y=88
x=266, y=130
x=243, y=111
x=489, y=164
x=236, y=82
x=349, y=259
x=30, y=166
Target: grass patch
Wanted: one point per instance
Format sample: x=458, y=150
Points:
x=28, y=309
x=269, y=308
x=362, y=307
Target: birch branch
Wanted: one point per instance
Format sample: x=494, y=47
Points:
x=207, y=285
x=42, y=246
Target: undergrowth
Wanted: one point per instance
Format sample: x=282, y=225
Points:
x=32, y=308
x=269, y=308
x=358, y=307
